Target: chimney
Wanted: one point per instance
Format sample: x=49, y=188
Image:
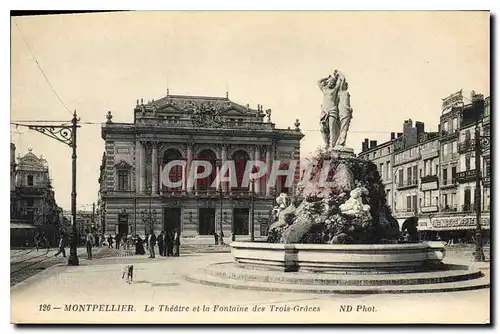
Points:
x=399, y=134
x=364, y=145
x=393, y=135
x=420, y=127
x=373, y=143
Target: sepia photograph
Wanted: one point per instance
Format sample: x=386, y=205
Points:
x=250, y=167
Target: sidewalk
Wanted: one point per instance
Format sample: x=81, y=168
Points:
x=160, y=281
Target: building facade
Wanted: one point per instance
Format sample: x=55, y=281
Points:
x=33, y=200
x=134, y=196
x=434, y=173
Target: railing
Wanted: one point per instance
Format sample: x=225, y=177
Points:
x=465, y=146
x=449, y=182
x=428, y=178
x=429, y=208
x=447, y=208
x=450, y=156
x=407, y=184
x=468, y=207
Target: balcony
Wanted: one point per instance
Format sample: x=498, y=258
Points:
x=448, y=208
x=444, y=135
x=405, y=213
x=406, y=185
x=429, y=178
x=467, y=176
x=30, y=191
x=468, y=207
x=429, y=208
x=450, y=156
x=448, y=183
x=465, y=146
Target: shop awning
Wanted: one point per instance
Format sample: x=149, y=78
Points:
x=19, y=225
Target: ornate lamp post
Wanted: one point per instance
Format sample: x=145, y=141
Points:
x=221, y=197
x=149, y=215
x=65, y=133
x=479, y=141
x=252, y=222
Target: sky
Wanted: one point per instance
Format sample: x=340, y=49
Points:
x=399, y=66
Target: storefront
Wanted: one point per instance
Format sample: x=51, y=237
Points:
x=458, y=229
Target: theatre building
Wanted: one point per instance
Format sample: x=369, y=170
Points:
x=135, y=197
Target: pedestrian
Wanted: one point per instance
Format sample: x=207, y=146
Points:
x=177, y=242
x=117, y=240
x=110, y=241
x=161, y=243
x=151, y=244
x=139, y=246
x=124, y=241
x=89, y=242
x=216, y=237
x=62, y=244
x=36, y=241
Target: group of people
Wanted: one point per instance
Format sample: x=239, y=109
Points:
x=168, y=243
x=121, y=241
x=40, y=240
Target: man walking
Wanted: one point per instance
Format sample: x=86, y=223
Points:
x=89, y=242
x=177, y=242
x=62, y=242
x=161, y=243
x=151, y=244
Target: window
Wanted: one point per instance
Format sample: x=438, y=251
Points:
x=408, y=175
x=387, y=172
x=467, y=200
x=445, y=150
x=454, y=147
x=30, y=180
x=455, y=124
x=445, y=201
x=467, y=162
x=382, y=170
x=445, y=176
x=30, y=202
x=414, y=200
x=408, y=203
x=415, y=175
x=453, y=173
x=123, y=183
x=445, y=126
x=388, y=150
x=400, y=177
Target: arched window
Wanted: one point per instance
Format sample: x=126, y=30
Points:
x=210, y=156
x=175, y=173
x=240, y=159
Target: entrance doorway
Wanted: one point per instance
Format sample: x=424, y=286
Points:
x=123, y=224
x=240, y=220
x=206, y=224
x=171, y=219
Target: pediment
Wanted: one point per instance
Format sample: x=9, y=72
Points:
x=123, y=165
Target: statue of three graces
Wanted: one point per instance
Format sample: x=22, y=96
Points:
x=336, y=111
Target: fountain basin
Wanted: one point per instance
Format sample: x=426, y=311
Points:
x=375, y=258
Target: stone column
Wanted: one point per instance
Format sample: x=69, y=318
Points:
x=142, y=167
x=154, y=169
x=137, y=166
x=268, y=173
x=257, y=158
x=188, y=167
x=225, y=185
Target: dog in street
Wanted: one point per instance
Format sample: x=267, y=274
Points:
x=128, y=271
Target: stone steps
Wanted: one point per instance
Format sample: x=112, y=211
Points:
x=230, y=270
x=453, y=277
x=201, y=277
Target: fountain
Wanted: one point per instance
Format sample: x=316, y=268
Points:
x=336, y=233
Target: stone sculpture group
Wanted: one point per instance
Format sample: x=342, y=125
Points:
x=352, y=209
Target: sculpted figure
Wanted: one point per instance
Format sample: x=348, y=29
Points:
x=354, y=205
x=329, y=117
x=345, y=110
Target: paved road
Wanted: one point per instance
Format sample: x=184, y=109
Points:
x=160, y=281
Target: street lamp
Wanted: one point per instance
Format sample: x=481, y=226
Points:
x=149, y=216
x=66, y=134
x=252, y=222
x=221, y=197
x=484, y=140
